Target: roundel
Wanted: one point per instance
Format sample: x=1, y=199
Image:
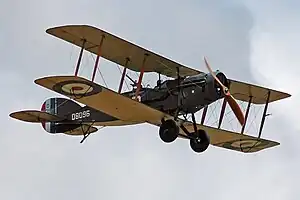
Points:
x=245, y=144
x=77, y=87
x=248, y=143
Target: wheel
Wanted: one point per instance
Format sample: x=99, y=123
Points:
x=168, y=131
x=201, y=141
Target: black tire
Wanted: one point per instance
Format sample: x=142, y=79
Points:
x=168, y=131
x=201, y=141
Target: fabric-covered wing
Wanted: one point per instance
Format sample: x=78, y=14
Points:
x=126, y=109
x=231, y=140
x=242, y=91
x=34, y=116
x=101, y=98
x=117, y=50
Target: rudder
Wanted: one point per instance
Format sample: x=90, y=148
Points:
x=60, y=107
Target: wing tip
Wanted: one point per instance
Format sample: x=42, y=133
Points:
x=50, y=30
x=287, y=95
x=260, y=145
x=275, y=95
x=48, y=78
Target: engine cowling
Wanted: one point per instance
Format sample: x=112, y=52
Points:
x=221, y=76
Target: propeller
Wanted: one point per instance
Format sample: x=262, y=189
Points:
x=229, y=98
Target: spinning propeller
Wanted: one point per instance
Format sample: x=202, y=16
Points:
x=229, y=98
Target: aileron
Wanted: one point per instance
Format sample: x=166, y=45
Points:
x=118, y=50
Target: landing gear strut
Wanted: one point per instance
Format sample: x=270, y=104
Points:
x=199, y=140
x=168, y=131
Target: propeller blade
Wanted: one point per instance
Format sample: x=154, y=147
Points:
x=236, y=109
x=213, y=74
x=229, y=98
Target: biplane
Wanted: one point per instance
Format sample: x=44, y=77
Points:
x=165, y=105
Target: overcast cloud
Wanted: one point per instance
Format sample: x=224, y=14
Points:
x=250, y=41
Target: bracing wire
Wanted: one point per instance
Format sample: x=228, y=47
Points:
x=124, y=79
x=99, y=71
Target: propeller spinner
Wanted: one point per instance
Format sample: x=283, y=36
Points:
x=229, y=98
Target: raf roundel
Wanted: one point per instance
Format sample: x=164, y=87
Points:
x=77, y=88
x=74, y=88
x=246, y=144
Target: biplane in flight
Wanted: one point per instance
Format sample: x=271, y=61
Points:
x=165, y=105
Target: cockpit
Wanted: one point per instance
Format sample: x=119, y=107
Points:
x=161, y=85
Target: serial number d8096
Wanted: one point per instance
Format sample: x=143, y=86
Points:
x=81, y=115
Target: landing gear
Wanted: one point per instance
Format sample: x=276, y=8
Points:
x=200, y=141
x=168, y=131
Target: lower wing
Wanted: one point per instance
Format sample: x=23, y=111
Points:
x=231, y=140
x=101, y=98
x=126, y=109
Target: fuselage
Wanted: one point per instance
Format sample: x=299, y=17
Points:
x=190, y=94
x=195, y=92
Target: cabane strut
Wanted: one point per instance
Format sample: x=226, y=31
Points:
x=123, y=75
x=141, y=76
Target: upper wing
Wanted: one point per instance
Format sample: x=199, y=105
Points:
x=117, y=50
x=242, y=91
x=124, y=108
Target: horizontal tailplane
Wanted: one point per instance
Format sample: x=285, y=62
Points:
x=34, y=116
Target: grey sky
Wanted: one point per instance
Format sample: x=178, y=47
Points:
x=245, y=40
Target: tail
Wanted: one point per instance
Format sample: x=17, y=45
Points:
x=54, y=116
